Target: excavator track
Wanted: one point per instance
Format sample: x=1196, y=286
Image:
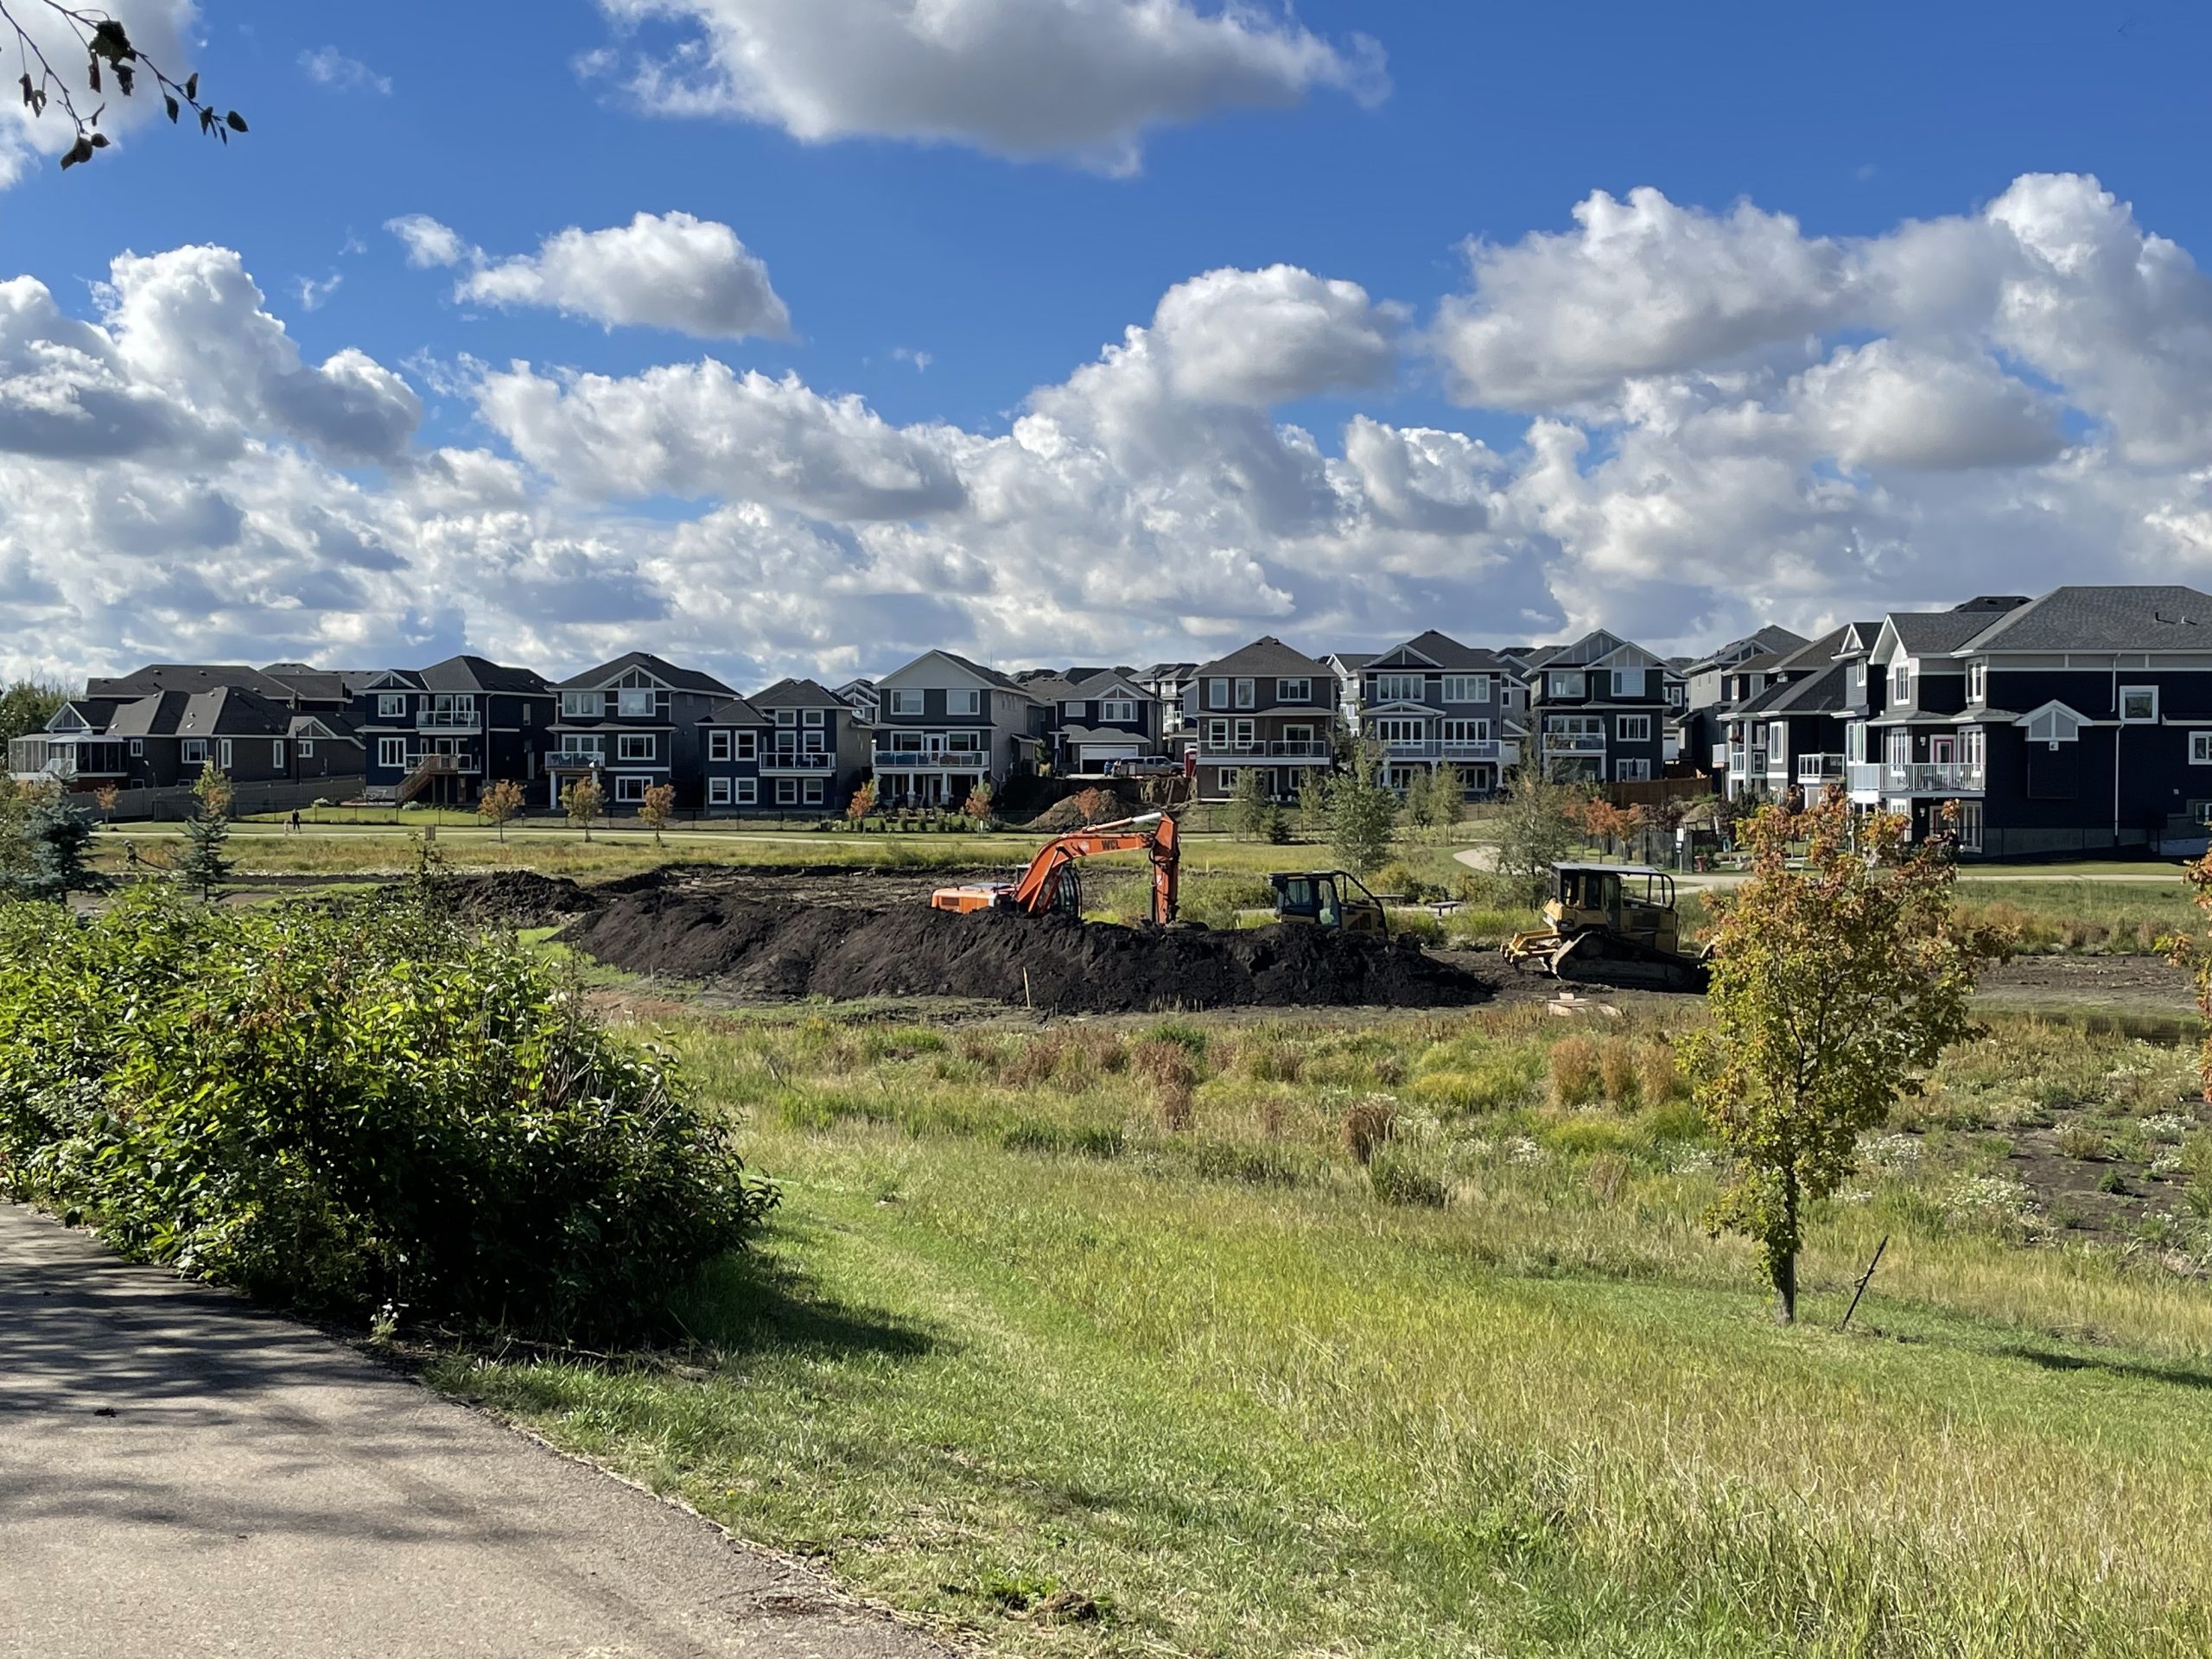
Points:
x=1595, y=958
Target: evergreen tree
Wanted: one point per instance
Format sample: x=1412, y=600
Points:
x=1251, y=807
x=56, y=835
x=206, y=864
x=1447, y=797
x=1313, y=804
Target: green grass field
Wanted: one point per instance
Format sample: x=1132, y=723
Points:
x=1152, y=1318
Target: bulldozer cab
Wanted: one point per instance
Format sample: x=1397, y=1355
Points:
x=1330, y=899
x=1632, y=900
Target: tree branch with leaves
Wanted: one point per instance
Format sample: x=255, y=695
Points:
x=111, y=58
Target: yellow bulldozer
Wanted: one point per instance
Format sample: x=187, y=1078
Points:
x=1613, y=924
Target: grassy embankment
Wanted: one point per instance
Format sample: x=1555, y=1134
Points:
x=1156, y=1315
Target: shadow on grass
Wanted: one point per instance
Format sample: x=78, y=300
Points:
x=746, y=1303
x=2049, y=1361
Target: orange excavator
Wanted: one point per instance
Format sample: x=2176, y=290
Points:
x=1051, y=883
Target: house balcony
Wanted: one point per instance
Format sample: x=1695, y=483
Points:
x=1294, y=752
x=797, y=763
x=82, y=761
x=925, y=760
x=1872, y=780
x=1574, y=743
x=1440, y=749
x=575, y=761
x=1821, y=770
x=461, y=720
x=431, y=764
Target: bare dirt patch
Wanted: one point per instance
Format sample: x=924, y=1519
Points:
x=845, y=952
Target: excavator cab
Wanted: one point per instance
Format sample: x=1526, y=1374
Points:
x=1328, y=898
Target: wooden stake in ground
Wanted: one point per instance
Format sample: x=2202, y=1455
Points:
x=1864, y=1279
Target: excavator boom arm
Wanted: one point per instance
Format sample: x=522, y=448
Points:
x=1040, y=884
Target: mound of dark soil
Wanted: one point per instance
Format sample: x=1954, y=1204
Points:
x=517, y=898
x=1065, y=814
x=1045, y=962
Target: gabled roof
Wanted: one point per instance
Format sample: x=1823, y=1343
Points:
x=1814, y=653
x=1436, y=650
x=1771, y=640
x=190, y=678
x=1265, y=656
x=1350, y=661
x=735, y=710
x=95, y=712
x=2167, y=618
x=989, y=676
x=1823, y=692
x=316, y=685
x=1169, y=672
x=1111, y=682
x=226, y=711
x=678, y=679
x=469, y=673
x=796, y=694
x=329, y=727
x=1052, y=688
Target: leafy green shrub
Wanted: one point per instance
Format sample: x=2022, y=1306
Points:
x=1397, y=1179
x=339, y=1105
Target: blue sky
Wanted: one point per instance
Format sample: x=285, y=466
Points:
x=1011, y=273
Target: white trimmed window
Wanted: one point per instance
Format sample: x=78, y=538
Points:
x=1565, y=685
x=969, y=701
x=195, y=750
x=1632, y=772
x=1217, y=734
x=1977, y=682
x=718, y=748
x=1073, y=710
x=788, y=718
x=786, y=791
x=906, y=702
x=1118, y=711
x=748, y=791
x=2138, y=705
x=814, y=716
x=1628, y=682
x=277, y=754
x=630, y=791
x=1247, y=694
x=2199, y=749
x=392, y=705
x=1293, y=690
x=1969, y=826
x=748, y=745
x=1225, y=780
x=1633, y=729
x=814, y=791
x=1466, y=688
x=636, y=746
x=307, y=748
x=225, y=745
x=391, y=752
x=1901, y=683
x=137, y=745
x=718, y=792
x=582, y=705
x=1466, y=731
x=637, y=703
x=1398, y=688
x=1216, y=694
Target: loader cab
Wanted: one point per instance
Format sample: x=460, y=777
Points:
x=1633, y=901
x=1328, y=898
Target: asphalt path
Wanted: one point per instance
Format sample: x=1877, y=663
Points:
x=183, y=1475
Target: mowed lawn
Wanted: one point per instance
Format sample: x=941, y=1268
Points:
x=1076, y=1347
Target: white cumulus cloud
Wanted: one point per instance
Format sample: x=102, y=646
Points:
x=328, y=67
x=1023, y=79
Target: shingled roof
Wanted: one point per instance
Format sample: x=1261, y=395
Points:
x=2168, y=617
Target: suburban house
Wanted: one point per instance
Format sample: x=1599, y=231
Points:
x=1598, y=709
x=732, y=735
x=632, y=724
x=164, y=740
x=1788, y=717
x=815, y=751
x=1431, y=702
x=1092, y=717
x=945, y=725
x=443, y=732
x=1167, y=683
x=2077, y=722
x=1706, y=680
x=291, y=685
x=1265, y=706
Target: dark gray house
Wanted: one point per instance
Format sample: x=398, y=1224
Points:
x=164, y=740
x=444, y=732
x=632, y=724
x=945, y=724
x=815, y=752
x=734, y=734
x=1599, y=710
x=1090, y=718
x=1433, y=701
x=1267, y=706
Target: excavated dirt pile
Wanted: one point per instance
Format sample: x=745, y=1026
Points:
x=517, y=897
x=1046, y=962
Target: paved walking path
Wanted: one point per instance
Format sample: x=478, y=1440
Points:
x=182, y=1475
